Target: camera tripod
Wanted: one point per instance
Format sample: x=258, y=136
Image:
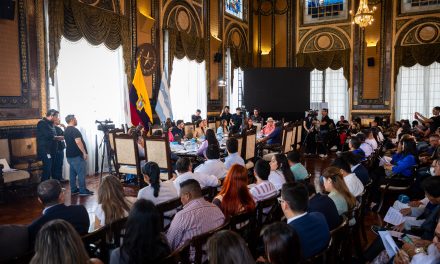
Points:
x=106, y=153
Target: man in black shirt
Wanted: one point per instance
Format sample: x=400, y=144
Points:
x=76, y=154
x=324, y=127
x=256, y=118
x=58, y=152
x=46, y=137
x=432, y=123
x=236, y=121
x=225, y=114
x=177, y=131
x=196, y=117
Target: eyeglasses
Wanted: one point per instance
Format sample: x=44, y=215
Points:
x=280, y=200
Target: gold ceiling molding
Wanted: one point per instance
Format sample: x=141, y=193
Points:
x=423, y=33
x=346, y=29
x=303, y=32
x=400, y=23
x=324, y=41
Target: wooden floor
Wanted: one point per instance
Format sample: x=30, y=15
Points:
x=24, y=209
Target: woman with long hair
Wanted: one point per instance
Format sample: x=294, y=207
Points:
x=143, y=241
x=280, y=172
x=234, y=197
x=227, y=247
x=281, y=244
x=223, y=129
x=200, y=129
x=338, y=191
x=112, y=204
x=58, y=242
x=156, y=191
x=405, y=157
x=209, y=140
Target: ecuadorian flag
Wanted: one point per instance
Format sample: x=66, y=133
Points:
x=140, y=108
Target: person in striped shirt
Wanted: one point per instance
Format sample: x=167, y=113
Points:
x=263, y=189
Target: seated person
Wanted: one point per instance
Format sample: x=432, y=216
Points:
x=298, y=170
x=223, y=129
x=354, y=146
x=365, y=147
x=274, y=138
x=370, y=139
x=198, y=216
x=233, y=155
x=157, y=191
x=136, y=131
x=178, y=130
x=324, y=205
x=357, y=167
x=250, y=125
x=269, y=127
x=311, y=227
x=353, y=183
x=234, y=197
x=236, y=121
x=263, y=189
x=256, y=117
x=184, y=172
x=342, y=123
x=280, y=171
x=200, y=130
x=143, y=240
x=213, y=166
x=196, y=117
x=209, y=140
x=112, y=204
x=405, y=157
x=51, y=195
x=228, y=247
x=225, y=114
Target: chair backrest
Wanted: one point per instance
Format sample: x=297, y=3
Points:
x=111, y=136
x=167, y=206
x=217, y=124
x=157, y=149
x=198, y=242
x=116, y=232
x=212, y=125
x=180, y=255
x=126, y=150
x=189, y=128
x=155, y=128
x=95, y=244
x=273, y=213
x=258, y=125
x=288, y=140
x=298, y=135
x=240, y=140
x=339, y=240
x=250, y=145
x=22, y=147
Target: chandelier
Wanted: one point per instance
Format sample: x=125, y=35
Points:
x=364, y=16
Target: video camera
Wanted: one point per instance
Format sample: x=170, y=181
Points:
x=105, y=125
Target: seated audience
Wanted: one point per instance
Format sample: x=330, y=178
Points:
x=200, y=130
x=213, y=166
x=223, y=129
x=405, y=157
x=234, y=197
x=157, y=191
x=279, y=171
x=209, y=140
x=143, y=240
x=353, y=183
x=184, y=172
x=250, y=125
x=338, y=191
x=51, y=195
x=311, y=228
x=365, y=147
x=225, y=114
x=354, y=146
x=227, y=247
x=58, y=242
x=324, y=205
x=256, y=117
x=178, y=130
x=274, y=138
x=112, y=205
x=263, y=189
x=233, y=155
x=281, y=244
x=298, y=170
x=370, y=139
x=269, y=127
x=197, y=216
x=196, y=117
x=357, y=167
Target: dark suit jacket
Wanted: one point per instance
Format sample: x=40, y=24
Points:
x=324, y=205
x=313, y=233
x=76, y=215
x=362, y=173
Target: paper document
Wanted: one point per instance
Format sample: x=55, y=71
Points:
x=389, y=244
x=399, y=205
x=394, y=217
x=385, y=160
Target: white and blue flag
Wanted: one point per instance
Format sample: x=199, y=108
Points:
x=163, y=105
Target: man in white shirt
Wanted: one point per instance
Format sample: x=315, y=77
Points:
x=213, y=166
x=184, y=172
x=263, y=189
x=233, y=155
x=353, y=183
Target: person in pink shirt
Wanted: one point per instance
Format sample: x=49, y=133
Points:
x=269, y=127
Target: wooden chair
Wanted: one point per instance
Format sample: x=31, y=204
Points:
x=354, y=230
x=115, y=233
x=212, y=125
x=127, y=157
x=258, y=125
x=111, y=137
x=155, y=128
x=168, y=206
x=189, y=128
x=364, y=202
x=240, y=140
x=248, y=152
x=288, y=139
x=245, y=225
x=298, y=141
x=95, y=244
x=179, y=256
x=339, y=244
x=321, y=257
x=271, y=216
x=157, y=149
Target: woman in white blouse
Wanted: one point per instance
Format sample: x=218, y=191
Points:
x=156, y=191
x=112, y=204
x=280, y=172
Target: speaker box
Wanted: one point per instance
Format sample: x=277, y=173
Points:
x=218, y=57
x=370, y=62
x=7, y=9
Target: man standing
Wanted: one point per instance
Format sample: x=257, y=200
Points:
x=323, y=132
x=196, y=117
x=58, y=151
x=46, y=136
x=76, y=154
x=225, y=114
x=236, y=121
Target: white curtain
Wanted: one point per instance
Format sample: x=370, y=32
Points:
x=188, y=89
x=234, y=94
x=91, y=84
x=417, y=90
